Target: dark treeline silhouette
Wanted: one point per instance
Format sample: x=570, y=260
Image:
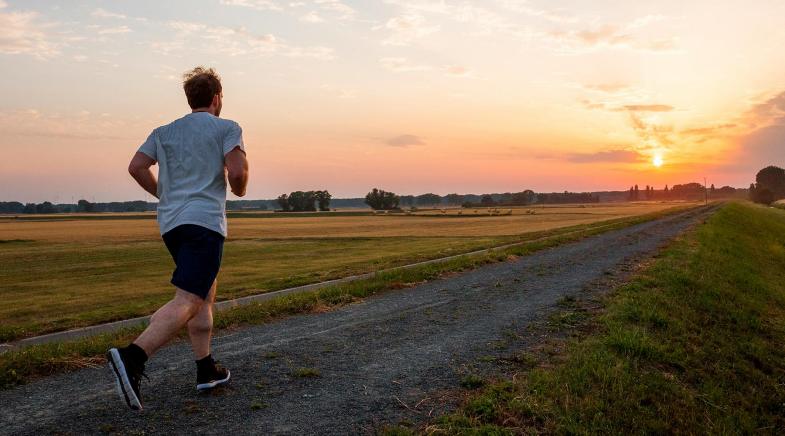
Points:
x=379, y=199
x=15, y=207
x=304, y=201
x=769, y=185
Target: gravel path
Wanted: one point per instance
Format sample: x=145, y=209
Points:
x=396, y=356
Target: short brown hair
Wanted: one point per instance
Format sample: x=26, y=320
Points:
x=201, y=85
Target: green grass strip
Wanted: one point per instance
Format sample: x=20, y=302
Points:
x=694, y=345
x=22, y=365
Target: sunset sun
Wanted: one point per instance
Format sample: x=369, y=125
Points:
x=657, y=160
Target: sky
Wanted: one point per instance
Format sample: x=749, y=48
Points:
x=410, y=96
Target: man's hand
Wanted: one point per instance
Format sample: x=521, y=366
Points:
x=237, y=169
x=139, y=168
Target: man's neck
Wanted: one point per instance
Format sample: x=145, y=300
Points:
x=204, y=109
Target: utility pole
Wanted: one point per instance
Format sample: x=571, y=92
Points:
x=705, y=192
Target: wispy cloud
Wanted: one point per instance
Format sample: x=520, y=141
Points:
x=648, y=107
x=620, y=156
x=262, y=5
x=236, y=42
x=407, y=28
x=404, y=141
x=103, y=13
x=24, y=33
x=110, y=30
x=403, y=65
x=312, y=17
x=524, y=7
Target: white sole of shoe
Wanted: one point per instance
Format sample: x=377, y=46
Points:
x=214, y=383
x=122, y=384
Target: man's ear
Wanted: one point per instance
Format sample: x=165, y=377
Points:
x=216, y=100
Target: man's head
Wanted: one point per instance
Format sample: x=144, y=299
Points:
x=203, y=88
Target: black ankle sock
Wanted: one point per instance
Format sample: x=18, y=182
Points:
x=135, y=353
x=205, y=362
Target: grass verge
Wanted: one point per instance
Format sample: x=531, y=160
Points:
x=695, y=344
x=20, y=366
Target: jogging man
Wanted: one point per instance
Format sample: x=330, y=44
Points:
x=195, y=155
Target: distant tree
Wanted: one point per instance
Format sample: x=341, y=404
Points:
x=772, y=179
x=637, y=194
x=631, y=195
x=487, y=200
x=84, y=206
x=29, y=208
x=379, y=199
x=453, y=199
x=323, y=200
x=429, y=199
x=712, y=190
x=524, y=197
x=764, y=196
x=283, y=202
x=45, y=207
x=302, y=201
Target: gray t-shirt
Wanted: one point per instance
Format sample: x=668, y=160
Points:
x=191, y=176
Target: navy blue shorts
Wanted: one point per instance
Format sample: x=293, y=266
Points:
x=197, y=252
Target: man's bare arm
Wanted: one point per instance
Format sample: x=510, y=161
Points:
x=139, y=168
x=237, y=169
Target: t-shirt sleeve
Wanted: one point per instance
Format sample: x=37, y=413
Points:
x=233, y=138
x=149, y=148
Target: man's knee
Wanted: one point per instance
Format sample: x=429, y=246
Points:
x=193, y=303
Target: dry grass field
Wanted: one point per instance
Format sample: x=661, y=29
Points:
x=68, y=271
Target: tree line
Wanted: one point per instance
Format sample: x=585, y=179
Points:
x=48, y=207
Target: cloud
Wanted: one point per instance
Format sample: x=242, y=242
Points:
x=407, y=28
x=103, y=13
x=112, y=30
x=767, y=112
x=235, y=42
x=402, y=65
x=338, y=8
x=476, y=20
x=764, y=141
x=3, y=4
x=608, y=88
x=21, y=33
x=404, y=141
x=80, y=125
x=342, y=93
x=620, y=107
x=649, y=108
x=764, y=146
x=312, y=17
x=261, y=5
x=522, y=6
x=621, y=156
x=457, y=71
x=613, y=36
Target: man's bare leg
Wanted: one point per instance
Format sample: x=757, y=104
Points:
x=200, y=327
x=168, y=320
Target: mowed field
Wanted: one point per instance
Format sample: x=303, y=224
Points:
x=62, y=272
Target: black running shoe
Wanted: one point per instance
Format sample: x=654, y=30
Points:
x=211, y=375
x=127, y=377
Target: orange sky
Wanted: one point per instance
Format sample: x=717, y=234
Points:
x=406, y=95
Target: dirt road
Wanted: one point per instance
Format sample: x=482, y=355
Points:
x=397, y=356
